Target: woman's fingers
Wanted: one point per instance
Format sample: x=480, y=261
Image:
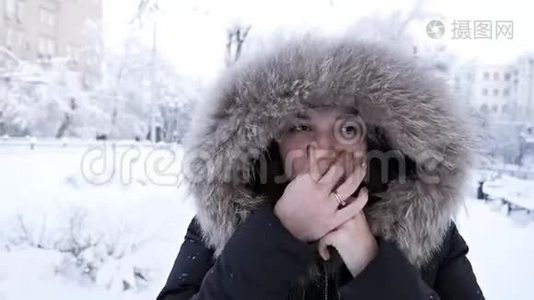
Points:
x=324, y=242
x=353, y=181
x=354, y=207
x=334, y=173
x=312, y=159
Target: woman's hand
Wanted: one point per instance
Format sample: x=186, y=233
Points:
x=308, y=208
x=353, y=239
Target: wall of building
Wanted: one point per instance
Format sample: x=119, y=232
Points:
x=501, y=91
x=36, y=29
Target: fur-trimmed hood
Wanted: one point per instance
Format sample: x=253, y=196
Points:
x=419, y=118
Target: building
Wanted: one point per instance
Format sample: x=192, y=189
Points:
x=34, y=30
x=526, y=156
x=486, y=87
x=522, y=88
x=504, y=92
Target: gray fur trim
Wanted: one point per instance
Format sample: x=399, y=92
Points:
x=245, y=109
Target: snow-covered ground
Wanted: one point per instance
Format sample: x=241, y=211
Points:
x=513, y=189
x=45, y=192
x=501, y=249
x=48, y=203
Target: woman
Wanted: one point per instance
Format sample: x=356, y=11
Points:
x=326, y=169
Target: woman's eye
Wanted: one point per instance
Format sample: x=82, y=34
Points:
x=299, y=128
x=351, y=129
x=349, y=132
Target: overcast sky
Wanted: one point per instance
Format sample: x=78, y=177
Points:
x=194, y=39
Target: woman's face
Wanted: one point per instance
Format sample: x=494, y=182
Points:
x=333, y=132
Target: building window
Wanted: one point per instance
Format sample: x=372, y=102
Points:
x=11, y=9
x=13, y=38
x=484, y=92
x=494, y=108
x=507, y=76
x=47, y=18
x=506, y=92
x=486, y=75
x=46, y=46
x=10, y=38
x=496, y=76
x=73, y=52
x=15, y=10
x=21, y=10
x=495, y=92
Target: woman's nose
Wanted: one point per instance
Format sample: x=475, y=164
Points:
x=324, y=147
x=325, y=141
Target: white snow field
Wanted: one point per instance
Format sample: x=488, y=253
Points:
x=63, y=237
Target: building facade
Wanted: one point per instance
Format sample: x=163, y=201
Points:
x=504, y=92
x=522, y=88
x=39, y=29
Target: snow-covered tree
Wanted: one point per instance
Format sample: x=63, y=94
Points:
x=115, y=95
x=236, y=37
x=398, y=28
x=45, y=100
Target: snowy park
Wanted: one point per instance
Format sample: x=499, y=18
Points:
x=68, y=235
x=97, y=99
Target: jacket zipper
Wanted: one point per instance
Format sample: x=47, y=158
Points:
x=325, y=282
